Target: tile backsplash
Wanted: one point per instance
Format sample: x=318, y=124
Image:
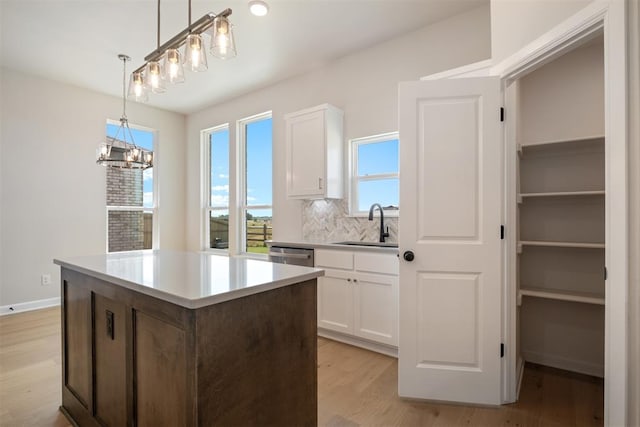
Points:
x=327, y=220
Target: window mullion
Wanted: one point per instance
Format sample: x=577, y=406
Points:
x=375, y=177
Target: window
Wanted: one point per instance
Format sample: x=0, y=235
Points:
x=255, y=170
x=238, y=200
x=374, y=173
x=217, y=211
x=130, y=200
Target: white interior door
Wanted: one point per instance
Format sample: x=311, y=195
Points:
x=450, y=193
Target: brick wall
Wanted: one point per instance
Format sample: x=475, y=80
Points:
x=124, y=187
x=125, y=229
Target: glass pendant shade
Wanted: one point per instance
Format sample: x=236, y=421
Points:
x=222, y=44
x=153, y=77
x=195, y=58
x=173, y=71
x=137, y=89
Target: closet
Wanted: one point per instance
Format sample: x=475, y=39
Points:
x=560, y=211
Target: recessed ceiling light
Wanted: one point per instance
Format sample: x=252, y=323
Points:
x=258, y=7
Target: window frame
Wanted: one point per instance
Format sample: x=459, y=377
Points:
x=205, y=138
x=241, y=167
x=355, y=179
x=155, y=221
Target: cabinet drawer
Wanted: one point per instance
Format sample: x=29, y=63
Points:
x=334, y=259
x=377, y=263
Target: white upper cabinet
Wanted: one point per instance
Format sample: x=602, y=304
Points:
x=315, y=153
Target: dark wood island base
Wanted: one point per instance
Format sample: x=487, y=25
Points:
x=131, y=359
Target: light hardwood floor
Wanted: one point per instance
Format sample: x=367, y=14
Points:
x=355, y=387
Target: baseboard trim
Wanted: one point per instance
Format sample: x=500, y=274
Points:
x=564, y=363
x=368, y=345
x=28, y=306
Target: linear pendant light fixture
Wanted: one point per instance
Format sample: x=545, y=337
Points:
x=166, y=63
x=119, y=153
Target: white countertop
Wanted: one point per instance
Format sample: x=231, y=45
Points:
x=189, y=279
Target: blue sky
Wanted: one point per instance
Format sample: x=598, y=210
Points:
x=378, y=158
x=259, y=163
x=220, y=168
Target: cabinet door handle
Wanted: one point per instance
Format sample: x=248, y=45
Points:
x=110, y=325
x=319, y=183
x=348, y=280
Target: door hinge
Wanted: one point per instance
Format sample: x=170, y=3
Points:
x=501, y=350
x=502, y=232
x=605, y=273
x=502, y=114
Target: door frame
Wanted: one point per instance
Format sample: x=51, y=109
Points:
x=607, y=17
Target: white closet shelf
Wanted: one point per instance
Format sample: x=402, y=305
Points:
x=585, y=139
x=564, y=194
x=559, y=244
x=584, y=297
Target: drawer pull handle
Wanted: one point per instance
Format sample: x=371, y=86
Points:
x=110, y=326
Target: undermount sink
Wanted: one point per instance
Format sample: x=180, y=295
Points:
x=378, y=244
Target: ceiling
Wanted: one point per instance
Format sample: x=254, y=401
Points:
x=77, y=41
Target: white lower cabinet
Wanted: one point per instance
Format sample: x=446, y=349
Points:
x=335, y=301
x=358, y=296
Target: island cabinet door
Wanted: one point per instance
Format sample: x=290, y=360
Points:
x=162, y=372
x=76, y=351
x=110, y=361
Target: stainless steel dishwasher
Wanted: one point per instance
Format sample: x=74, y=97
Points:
x=294, y=256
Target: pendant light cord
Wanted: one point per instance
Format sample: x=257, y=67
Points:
x=124, y=82
x=189, y=12
x=158, y=35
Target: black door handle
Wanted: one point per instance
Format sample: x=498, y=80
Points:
x=408, y=256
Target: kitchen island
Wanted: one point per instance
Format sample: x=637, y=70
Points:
x=169, y=338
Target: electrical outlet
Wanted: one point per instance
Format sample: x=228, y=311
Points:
x=45, y=279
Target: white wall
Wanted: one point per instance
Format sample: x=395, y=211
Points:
x=515, y=23
x=364, y=85
x=53, y=193
x=634, y=213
